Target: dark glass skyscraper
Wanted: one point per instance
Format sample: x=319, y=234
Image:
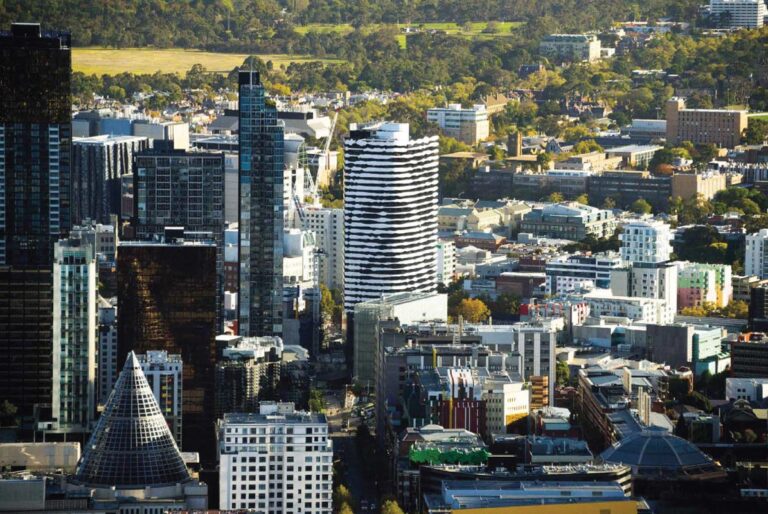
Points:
x=35, y=148
x=35, y=143
x=167, y=301
x=261, y=211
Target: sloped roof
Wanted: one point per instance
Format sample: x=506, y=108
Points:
x=131, y=446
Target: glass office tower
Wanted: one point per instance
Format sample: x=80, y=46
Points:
x=261, y=211
x=35, y=147
x=167, y=300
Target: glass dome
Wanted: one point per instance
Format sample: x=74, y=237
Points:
x=656, y=451
x=131, y=446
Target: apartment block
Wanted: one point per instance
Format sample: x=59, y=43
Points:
x=749, y=14
x=570, y=47
x=277, y=461
x=698, y=283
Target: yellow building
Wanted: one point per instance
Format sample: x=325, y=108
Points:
x=688, y=185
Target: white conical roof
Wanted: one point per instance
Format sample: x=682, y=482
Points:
x=131, y=446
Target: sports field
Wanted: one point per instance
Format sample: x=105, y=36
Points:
x=110, y=61
x=471, y=30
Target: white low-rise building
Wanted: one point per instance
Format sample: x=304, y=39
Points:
x=751, y=389
x=650, y=310
x=467, y=125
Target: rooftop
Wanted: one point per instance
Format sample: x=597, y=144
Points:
x=458, y=495
x=655, y=451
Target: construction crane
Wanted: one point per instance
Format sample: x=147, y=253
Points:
x=310, y=183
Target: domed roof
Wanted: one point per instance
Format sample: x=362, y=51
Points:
x=131, y=446
x=656, y=451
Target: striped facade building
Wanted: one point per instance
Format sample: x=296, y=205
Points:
x=390, y=212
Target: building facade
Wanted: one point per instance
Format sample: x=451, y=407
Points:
x=35, y=143
x=164, y=376
x=749, y=14
x=646, y=241
x=699, y=283
x=167, y=296
x=624, y=187
x=571, y=47
x=446, y=262
x=107, y=331
x=571, y=220
x=98, y=162
x=390, y=213
x=277, y=461
x=755, y=259
x=261, y=211
x=181, y=189
x=467, y=125
x=719, y=127
x=74, y=335
x=35, y=149
x=247, y=373
x=328, y=226
x=567, y=274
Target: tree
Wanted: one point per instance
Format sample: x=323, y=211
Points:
x=544, y=159
x=496, y=153
x=316, y=401
x=563, y=373
x=346, y=509
x=116, y=93
x=473, y=310
x=698, y=400
x=609, y=203
x=391, y=507
x=738, y=309
x=679, y=388
x=341, y=496
x=641, y=206
x=327, y=305
x=587, y=146
x=8, y=414
x=555, y=197
x=757, y=131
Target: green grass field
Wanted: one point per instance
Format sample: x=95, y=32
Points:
x=758, y=116
x=110, y=61
x=475, y=28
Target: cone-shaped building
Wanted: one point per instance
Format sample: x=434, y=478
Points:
x=132, y=446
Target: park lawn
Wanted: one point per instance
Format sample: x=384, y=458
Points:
x=476, y=28
x=760, y=116
x=110, y=61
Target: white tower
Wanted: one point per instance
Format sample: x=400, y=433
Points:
x=390, y=212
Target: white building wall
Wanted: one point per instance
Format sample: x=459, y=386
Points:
x=754, y=256
x=646, y=241
x=446, y=262
x=743, y=13
x=276, y=464
x=328, y=225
